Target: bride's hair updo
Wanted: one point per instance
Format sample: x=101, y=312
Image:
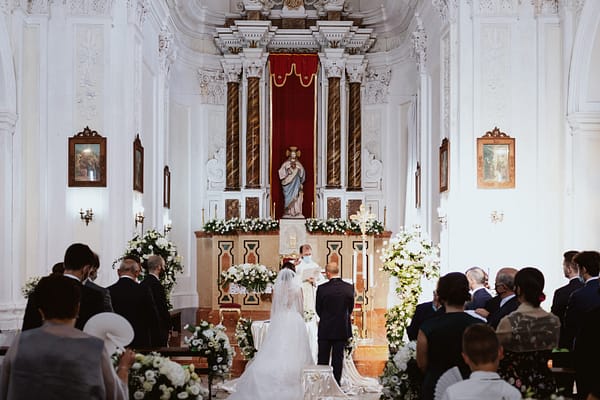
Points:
x=288, y=265
x=529, y=282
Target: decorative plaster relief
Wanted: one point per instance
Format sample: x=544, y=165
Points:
x=372, y=132
x=213, y=89
x=372, y=168
x=419, y=40
x=136, y=11
x=447, y=9
x=377, y=86
x=215, y=170
x=446, y=83
x=89, y=74
x=166, y=50
x=498, y=7
x=89, y=7
x=34, y=6
x=545, y=7
x=495, y=73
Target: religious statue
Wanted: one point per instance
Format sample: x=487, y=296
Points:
x=293, y=4
x=292, y=177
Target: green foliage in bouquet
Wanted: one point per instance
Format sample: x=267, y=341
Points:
x=211, y=341
x=243, y=336
x=235, y=225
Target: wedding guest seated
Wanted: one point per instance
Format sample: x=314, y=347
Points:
x=59, y=360
x=528, y=336
x=439, y=341
x=423, y=312
x=479, y=293
x=505, y=301
x=482, y=353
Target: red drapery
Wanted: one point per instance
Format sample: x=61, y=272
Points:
x=293, y=120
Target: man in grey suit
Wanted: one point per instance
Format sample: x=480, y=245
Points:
x=89, y=282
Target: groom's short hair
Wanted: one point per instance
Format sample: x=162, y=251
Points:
x=332, y=268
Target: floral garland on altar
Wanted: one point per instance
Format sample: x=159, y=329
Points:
x=409, y=256
x=253, y=277
x=211, y=342
x=337, y=225
x=153, y=376
x=235, y=225
x=150, y=243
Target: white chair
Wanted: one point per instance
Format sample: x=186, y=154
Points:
x=318, y=383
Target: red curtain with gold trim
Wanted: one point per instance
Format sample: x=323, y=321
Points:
x=293, y=120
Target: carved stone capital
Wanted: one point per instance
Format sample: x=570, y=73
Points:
x=212, y=87
x=232, y=68
x=419, y=40
x=356, y=70
x=447, y=9
x=254, y=67
x=136, y=11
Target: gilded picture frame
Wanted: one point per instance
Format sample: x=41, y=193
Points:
x=138, y=165
x=444, y=165
x=87, y=159
x=495, y=160
x=166, y=187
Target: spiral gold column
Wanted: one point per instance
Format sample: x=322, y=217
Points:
x=333, y=134
x=354, y=138
x=233, y=136
x=253, y=135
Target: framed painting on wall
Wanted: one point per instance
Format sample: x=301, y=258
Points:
x=495, y=160
x=418, y=186
x=87, y=159
x=444, y=165
x=166, y=187
x=138, y=165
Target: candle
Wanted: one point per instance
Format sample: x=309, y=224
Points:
x=364, y=262
x=312, y=208
x=202, y=216
x=215, y=211
x=354, y=266
x=371, y=275
x=384, y=216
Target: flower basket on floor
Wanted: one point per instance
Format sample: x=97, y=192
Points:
x=401, y=377
x=155, y=377
x=244, y=338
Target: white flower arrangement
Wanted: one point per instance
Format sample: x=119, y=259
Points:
x=211, y=342
x=153, y=242
x=337, y=225
x=30, y=285
x=153, y=376
x=401, y=377
x=235, y=225
x=409, y=256
x=254, y=278
x=244, y=339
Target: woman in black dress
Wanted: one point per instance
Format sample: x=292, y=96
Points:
x=439, y=342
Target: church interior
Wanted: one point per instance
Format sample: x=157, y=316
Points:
x=474, y=120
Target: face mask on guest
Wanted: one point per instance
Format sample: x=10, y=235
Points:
x=306, y=259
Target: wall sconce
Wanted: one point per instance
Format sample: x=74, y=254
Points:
x=442, y=217
x=86, y=215
x=139, y=219
x=496, y=217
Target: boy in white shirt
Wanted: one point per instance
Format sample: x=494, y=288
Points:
x=482, y=353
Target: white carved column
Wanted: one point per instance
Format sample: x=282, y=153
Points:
x=8, y=294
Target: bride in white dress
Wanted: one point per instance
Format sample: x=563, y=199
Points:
x=276, y=370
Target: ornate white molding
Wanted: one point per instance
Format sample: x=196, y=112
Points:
x=419, y=40
x=215, y=170
x=136, y=11
x=33, y=6
x=89, y=76
x=377, y=86
x=212, y=87
x=447, y=9
x=89, y=7
x=584, y=123
x=372, y=167
x=8, y=121
x=495, y=74
x=497, y=7
x=232, y=68
x=446, y=82
x=166, y=50
x=545, y=7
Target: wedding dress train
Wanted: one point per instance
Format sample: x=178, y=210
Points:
x=276, y=370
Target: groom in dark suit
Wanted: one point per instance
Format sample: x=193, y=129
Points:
x=334, y=305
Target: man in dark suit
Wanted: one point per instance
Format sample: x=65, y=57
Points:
x=334, y=305
x=134, y=302
x=587, y=354
x=77, y=262
x=89, y=282
x=587, y=298
x=423, y=312
x=159, y=333
x=479, y=294
x=505, y=301
x=561, y=297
